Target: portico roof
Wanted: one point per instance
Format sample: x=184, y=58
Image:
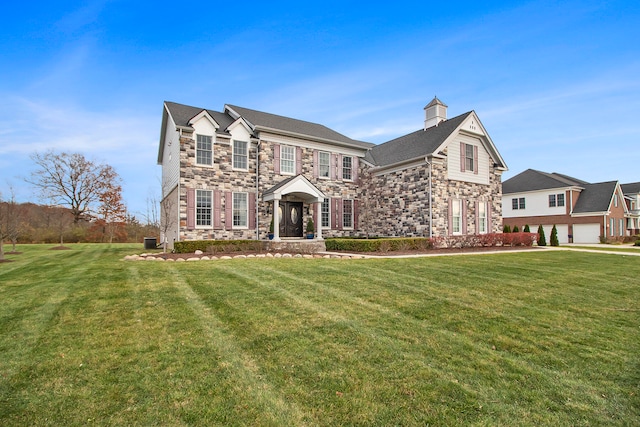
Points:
x=297, y=186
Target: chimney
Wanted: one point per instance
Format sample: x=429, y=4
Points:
x=435, y=112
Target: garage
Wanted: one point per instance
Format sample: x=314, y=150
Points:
x=563, y=233
x=586, y=233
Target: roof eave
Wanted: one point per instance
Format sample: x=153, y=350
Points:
x=312, y=138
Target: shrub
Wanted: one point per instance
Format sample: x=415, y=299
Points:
x=637, y=243
x=554, y=236
x=526, y=229
x=215, y=246
x=542, y=240
x=515, y=229
x=506, y=229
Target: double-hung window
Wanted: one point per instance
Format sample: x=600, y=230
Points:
x=456, y=217
x=204, y=150
x=347, y=165
x=287, y=159
x=560, y=199
x=482, y=217
x=240, y=210
x=325, y=214
x=347, y=214
x=469, y=161
x=324, y=164
x=552, y=200
x=240, y=155
x=204, y=208
x=556, y=200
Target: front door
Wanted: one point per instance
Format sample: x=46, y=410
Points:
x=290, y=219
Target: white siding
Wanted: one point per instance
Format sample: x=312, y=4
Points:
x=170, y=158
x=453, y=165
x=536, y=204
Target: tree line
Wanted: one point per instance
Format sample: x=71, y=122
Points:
x=83, y=204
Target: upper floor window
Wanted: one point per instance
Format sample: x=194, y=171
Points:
x=347, y=165
x=615, y=200
x=240, y=155
x=324, y=164
x=240, y=210
x=287, y=159
x=204, y=150
x=204, y=208
x=469, y=160
x=556, y=200
x=517, y=203
x=560, y=199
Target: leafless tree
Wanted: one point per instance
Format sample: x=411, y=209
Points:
x=69, y=179
x=168, y=218
x=112, y=210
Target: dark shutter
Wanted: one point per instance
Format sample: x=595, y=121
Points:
x=356, y=213
x=463, y=213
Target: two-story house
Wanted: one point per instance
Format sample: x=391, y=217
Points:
x=582, y=212
x=233, y=173
x=632, y=195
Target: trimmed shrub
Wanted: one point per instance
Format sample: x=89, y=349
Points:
x=637, y=243
x=554, y=236
x=542, y=240
x=506, y=229
x=515, y=229
x=216, y=246
x=526, y=229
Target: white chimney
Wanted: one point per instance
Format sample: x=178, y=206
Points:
x=435, y=112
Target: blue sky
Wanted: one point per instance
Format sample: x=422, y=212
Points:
x=555, y=83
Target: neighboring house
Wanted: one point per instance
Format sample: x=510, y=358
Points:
x=227, y=175
x=582, y=212
x=632, y=197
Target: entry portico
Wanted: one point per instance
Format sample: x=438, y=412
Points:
x=293, y=193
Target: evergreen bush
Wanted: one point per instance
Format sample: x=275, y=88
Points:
x=542, y=240
x=515, y=229
x=526, y=229
x=554, y=236
x=506, y=229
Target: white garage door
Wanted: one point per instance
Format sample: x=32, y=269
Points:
x=563, y=233
x=586, y=233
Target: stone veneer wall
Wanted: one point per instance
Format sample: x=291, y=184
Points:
x=397, y=203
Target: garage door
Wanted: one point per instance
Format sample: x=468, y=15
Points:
x=586, y=233
x=563, y=233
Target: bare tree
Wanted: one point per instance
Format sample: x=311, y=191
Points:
x=167, y=218
x=112, y=210
x=3, y=225
x=69, y=179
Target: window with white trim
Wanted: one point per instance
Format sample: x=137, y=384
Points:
x=240, y=210
x=615, y=200
x=560, y=199
x=324, y=164
x=612, y=226
x=287, y=159
x=240, y=155
x=204, y=208
x=517, y=203
x=621, y=225
x=347, y=165
x=326, y=214
x=347, y=213
x=204, y=150
x=482, y=218
x=469, y=160
x=456, y=217
x=552, y=200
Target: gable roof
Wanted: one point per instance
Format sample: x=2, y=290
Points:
x=262, y=121
x=595, y=197
x=532, y=180
x=631, y=188
x=182, y=114
x=424, y=142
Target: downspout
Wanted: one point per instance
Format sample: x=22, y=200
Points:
x=257, y=188
x=426, y=159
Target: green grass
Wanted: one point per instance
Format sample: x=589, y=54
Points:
x=610, y=248
x=534, y=338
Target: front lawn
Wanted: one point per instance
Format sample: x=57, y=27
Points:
x=535, y=338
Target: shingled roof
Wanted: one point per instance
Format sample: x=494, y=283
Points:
x=182, y=114
x=416, y=144
x=595, y=197
x=532, y=180
x=631, y=188
x=273, y=122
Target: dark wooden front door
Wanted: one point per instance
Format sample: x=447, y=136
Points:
x=290, y=219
